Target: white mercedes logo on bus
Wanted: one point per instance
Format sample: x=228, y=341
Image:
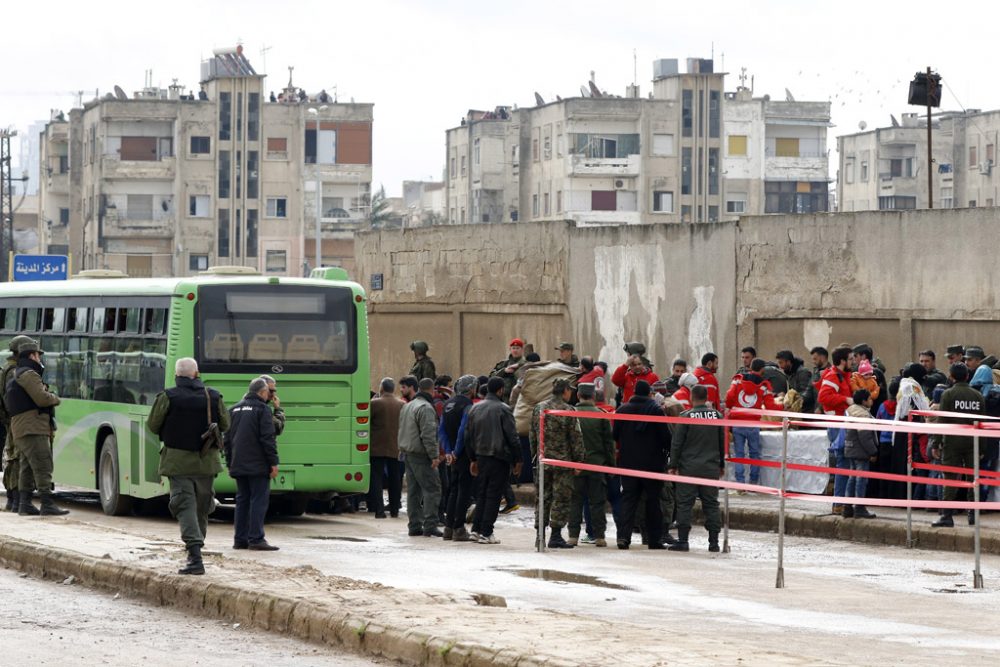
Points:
x=277, y=369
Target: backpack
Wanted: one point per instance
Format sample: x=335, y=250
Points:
x=993, y=401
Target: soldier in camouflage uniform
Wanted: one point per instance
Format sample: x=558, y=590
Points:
x=563, y=441
x=423, y=366
x=11, y=458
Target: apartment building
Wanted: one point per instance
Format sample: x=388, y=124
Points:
x=54, y=185
x=776, y=158
x=165, y=183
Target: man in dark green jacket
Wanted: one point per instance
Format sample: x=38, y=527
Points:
x=423, y=366
x=179, y=416
x=598, y=449
x=11, y=459
x=958, y=450
x=698, y=451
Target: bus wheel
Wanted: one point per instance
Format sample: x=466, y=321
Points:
x=112, y=501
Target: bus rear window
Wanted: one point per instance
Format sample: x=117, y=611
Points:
x=256, y=328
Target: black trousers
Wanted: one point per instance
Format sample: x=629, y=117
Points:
x=459, y=493
x=494, y=475
x=632, y=489
x=385, y=473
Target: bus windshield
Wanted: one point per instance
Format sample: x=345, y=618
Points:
x=256, y=328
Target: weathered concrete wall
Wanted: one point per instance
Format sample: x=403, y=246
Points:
x=900, y=281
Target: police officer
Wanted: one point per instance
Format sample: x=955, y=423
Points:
x=957, y=450
x=32, y=421
x=563, y=441
x=423, y=366
x=698, y=451
x=11, y=459
x=180, y=415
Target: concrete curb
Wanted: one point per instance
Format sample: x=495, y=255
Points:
x=830, y=527
x=303, y=619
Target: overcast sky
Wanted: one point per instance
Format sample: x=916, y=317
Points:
x=424, y=63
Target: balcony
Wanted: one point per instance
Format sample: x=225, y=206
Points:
x=115, y=168
x=57, y=184
x=581, y=165
x=891, y=186
x=600, y=218
x=138, y=224
x=806, y=166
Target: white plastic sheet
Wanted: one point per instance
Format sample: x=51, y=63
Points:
x=805, y=447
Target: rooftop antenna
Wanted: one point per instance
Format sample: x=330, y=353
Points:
x=635, y=68
x=263, y=58
x=79, y=98
x=743, y=77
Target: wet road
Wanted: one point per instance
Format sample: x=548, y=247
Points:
x=82, y=627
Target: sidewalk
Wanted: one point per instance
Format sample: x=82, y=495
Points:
x=812, y=519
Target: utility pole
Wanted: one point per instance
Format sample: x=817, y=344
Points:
x=925, y=90
x=6, y=202
x=931, y=83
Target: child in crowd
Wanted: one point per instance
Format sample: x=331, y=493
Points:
x=861, y=450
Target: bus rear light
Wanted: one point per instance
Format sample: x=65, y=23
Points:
x=359, y=298
x=362, y=448
x=362, y=420
x=362, y=434
x=347, y=477
x=358, y=477
x=362, y=406
x=190, y=296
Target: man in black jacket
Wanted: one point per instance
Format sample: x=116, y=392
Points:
x=252, y=458
x=490, y=438
x=641, y=446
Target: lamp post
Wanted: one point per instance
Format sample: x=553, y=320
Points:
x=925, y=90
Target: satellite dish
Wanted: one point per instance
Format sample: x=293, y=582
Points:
x=583, y=92
x=594, y=90
x=862, y=125
x=895, y=123
x=538, y=100
x=788, y=96
x=120, y=94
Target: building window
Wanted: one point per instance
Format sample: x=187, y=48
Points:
x=546, y=200
x=663, y=202
x=972, y=202
x=198, y=262
x=685, y=171
x=463, y=166
x=947, y=197
x=901, y=167
x=475, y=152
x=714, y=116
x=225, y=116
x=713, y=171
x=737, y=145
x=559, y=201
x=321, y=146
x=63, y=216
x=864, y=171
x=461, y=215
x=736, y=205
x=277, y=207
x=253, y=116
x=453, y=172
x=897, y=203
x=223, y=174
x=687, y=112
x=972, y=156
x=275, y=261
x=198, y=206
x=223, y=239
x=605, y=145
x=252, y=174
x=713, y=213
x=849, y=170
x=201, y=145
x=277, y=148
x=534, y=206
x=547, y=148
x=663, y=145
x=560, y=144
x=603, y=200
x=534, y=149
x=251, y=232
x=795, y=197
x=786, y=147
x=989, y=153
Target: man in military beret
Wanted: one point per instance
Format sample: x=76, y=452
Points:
x=11, y=459
x=563, y=441
x=32, y=421
x=423, y=366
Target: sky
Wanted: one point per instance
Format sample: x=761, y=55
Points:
x=425, y=63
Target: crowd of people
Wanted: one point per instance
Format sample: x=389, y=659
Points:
x=461, y=449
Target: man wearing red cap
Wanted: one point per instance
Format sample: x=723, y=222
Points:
x=507, y=369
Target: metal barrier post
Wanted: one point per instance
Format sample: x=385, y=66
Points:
x=909, y=486
x=540, y=519
x=977, y=575
x=725, y=497
x=780, y=579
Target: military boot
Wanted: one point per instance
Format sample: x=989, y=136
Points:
x=556, y=540
x=49, y=507
x=682, y=540
x=944, y=521
x=194, y=563
x=15, y=500
x=667, y=538
x=713, y=541
x=25, y=508
x=10, y=501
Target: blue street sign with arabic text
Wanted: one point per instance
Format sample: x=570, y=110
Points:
x=41, y=267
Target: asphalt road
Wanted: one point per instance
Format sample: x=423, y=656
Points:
x=47, y=623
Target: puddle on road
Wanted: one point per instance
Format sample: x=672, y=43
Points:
x=337, y=538
x=939, y=573
x=951, y=590
x=559, y=577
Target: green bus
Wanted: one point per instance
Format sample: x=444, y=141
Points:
x=111, y=343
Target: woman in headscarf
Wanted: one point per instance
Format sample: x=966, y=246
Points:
x=909, y=398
